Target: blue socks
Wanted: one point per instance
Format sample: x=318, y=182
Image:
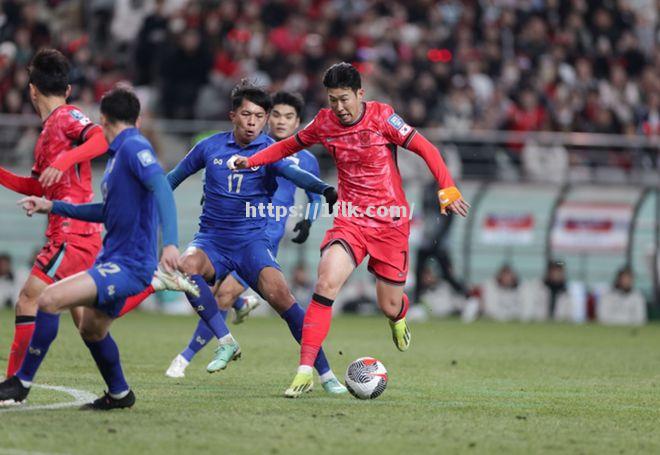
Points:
x=106, y=355
x=294, y=317
x=200, y=338
x=207, y=308
x=239, y=303
x=45, y=332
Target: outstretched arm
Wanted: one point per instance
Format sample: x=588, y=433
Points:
x=23, y=185
x=94, y=145
x=307, y=181
x=270, y=154
x=449, y=196
x=86, y=212
x=159, y=185
x=193, y=162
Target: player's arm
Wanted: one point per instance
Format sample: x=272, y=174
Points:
x=279, y=150
x=24, y=185
x=146, y=169
x=94, y=145
x=189, y=165
x=306, y=181
x=303, y=227
x=87, y=212
x=449, y=196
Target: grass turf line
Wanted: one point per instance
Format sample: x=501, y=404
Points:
x=483, y=387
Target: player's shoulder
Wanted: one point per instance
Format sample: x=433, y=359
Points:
x=378, y=109
x=72, y=112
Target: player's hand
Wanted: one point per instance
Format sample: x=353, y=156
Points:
x=331, y=197
x=451, y=200
x=50, y=176
x=237, y=162
x=169, y=258
x=34, y=204
x=302, y=228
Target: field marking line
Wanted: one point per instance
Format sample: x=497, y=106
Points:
x=80, y=397
x=7, y=451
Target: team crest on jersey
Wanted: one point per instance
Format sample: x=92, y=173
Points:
x=398, y=123
x=79, y=116
x=146, y=158
x=364, y=137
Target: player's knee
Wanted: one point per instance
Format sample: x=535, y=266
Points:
x=48, y=301
x=27, y=302
x=189, y=265
x=326, y=287
x=90, y=333
x=390, y=307
x=224, y=300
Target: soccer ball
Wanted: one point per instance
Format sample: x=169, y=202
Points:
x=366, y=378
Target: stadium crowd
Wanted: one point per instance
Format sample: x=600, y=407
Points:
x=562, y=65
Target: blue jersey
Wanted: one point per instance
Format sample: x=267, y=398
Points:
x=227, y=193
x=286, y=192
x=129, y=208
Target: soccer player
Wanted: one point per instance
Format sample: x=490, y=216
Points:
x=362, y=138
x=136, y=195
x=62, y=170
x=283, y=121
x=232, y=229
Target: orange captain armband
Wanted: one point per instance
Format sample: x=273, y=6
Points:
x=447, y=196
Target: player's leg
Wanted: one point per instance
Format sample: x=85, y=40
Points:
x=196, y=264
x=71, y=292
x=94, y=330
x=26, y=311
x=394, y=303
x=273, y=287
x=335, y=267
x=229, y=295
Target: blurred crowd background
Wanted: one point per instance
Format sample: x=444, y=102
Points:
x=469, y=73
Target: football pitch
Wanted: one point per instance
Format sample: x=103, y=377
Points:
x=480, y=388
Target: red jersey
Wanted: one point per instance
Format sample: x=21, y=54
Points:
x=65, y=128
x=365, y=154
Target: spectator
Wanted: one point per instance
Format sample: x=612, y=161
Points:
x=8, y=283
x=622, y=305
x=547, y=298
x=438, y=296
x=500, y=297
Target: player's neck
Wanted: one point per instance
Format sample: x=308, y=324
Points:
x=113, y=130
x=48, y=104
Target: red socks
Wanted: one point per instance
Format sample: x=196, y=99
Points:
x=135, y=300
x=315, y=328
x=22, y=335
x=405, y=304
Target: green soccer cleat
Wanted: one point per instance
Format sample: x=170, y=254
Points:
x=302, y=383
x=334, y=387
x=400, y=334
x=251, y=302
x=224, y=353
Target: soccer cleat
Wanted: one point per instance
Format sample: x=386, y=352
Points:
x=173, y=281
x=302, y=383
x=107, y=403
x=224, y=353
x=400, y=334
x=251, y=302
x=12, y=392
x=177, y=368
x=334, y=387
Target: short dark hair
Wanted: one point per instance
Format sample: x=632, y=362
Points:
x=342, y=75
x=247, y=90
x=293, y=99
x=49, y=72
x=120, y=104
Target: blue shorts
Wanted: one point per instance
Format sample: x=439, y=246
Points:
x=115, y=282
x=247, y=257
x=274, y=233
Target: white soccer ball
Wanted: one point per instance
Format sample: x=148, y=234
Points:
x=366, y=378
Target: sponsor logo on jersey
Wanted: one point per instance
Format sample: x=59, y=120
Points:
x=218, y=161
x=79, y=116
x=398, y=123
x=146, y=157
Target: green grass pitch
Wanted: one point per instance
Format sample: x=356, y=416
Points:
x=480, y=388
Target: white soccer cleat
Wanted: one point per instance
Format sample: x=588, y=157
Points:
x=251, y=302
x=177, y=368
x=173, y=281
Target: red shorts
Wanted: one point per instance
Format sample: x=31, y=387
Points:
x=387, y=247
x=59, y=259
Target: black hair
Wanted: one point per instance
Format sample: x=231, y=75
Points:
x=120, y=104
x=252, y=93
x=295, y=100
x=342, y=75
x=49, y=72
